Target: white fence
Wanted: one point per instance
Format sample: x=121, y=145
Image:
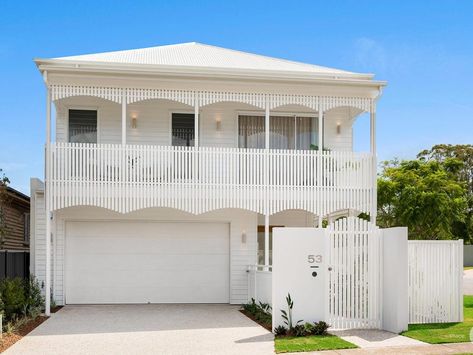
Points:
x=435, y=281
x=260, y=283
x=125, y=178
x=354, y=287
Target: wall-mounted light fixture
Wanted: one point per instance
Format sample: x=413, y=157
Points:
x=339, y=127
x=134, y=122
x=218, y=123
x=243, y=237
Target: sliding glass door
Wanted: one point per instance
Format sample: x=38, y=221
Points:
x=285, y=132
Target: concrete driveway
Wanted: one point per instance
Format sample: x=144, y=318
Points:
x=147, y=329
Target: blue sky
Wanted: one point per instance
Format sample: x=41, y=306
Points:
x=424, y=49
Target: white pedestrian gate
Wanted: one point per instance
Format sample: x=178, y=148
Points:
x=435, y=281
x=354, y=287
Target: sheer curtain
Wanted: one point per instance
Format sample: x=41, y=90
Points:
x=285, y=132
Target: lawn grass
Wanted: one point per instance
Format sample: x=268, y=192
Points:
x=438, y=333
x=310, y=343
x=467, y=267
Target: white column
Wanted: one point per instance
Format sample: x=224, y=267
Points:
x=47, y=199
x=124, y=117
x=196, y=121
x=374, y=201
x=320, y=144
x=266, y=217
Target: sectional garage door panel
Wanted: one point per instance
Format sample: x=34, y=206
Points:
x=141, y=262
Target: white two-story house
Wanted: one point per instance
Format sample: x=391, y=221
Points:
x=167, y=168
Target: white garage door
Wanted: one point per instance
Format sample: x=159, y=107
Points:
x=141, y=262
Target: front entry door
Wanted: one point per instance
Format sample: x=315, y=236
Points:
x=183, y=129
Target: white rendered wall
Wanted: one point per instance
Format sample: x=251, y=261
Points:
x=395, y=279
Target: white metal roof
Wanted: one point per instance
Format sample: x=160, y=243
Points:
x=199, y=55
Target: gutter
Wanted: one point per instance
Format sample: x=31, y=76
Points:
x=208, y=72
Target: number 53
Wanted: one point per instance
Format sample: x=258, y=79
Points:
x=314, y=259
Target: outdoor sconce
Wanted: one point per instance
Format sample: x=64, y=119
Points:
x=243, y=237
x=134, y=122
x=339, y=128
x=218, y=123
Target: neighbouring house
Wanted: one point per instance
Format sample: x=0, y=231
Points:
x=14, y=233
x=168, y=167
x=15, y=220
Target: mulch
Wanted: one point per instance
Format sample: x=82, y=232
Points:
x=9, y=339
x=249, y=315
x=56, y=309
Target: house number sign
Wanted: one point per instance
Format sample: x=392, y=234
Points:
x=314, y=259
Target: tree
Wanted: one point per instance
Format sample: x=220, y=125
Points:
x=425, y=196
x=464, y=153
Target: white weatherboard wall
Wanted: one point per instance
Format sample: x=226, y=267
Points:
x=435, y=281
x=299, y=269
x=154, y=122
x=395, y=279
x=241, y=254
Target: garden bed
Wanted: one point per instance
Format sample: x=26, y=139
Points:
x=267, y=326
x=9, y=339
x=297, y=338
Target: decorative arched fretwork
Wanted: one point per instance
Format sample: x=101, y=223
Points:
x=212, y=97
x=205, y=98
x=108, y=93
x=330, y=102
x=182, y=96
x=277, y=100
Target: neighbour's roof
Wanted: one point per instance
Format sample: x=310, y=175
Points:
x=12, y=192
x=205, y=57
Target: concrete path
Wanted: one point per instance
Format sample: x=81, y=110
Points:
x=439, y=349
x=147, y=329
x=376, y=338
x=468, y=282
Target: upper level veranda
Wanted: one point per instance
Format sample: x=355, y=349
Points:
x=201, y=139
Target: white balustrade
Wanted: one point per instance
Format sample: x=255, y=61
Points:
x=125, y=178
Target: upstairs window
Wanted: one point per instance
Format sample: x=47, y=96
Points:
x=285, y=132
x=82, y=126
x=183, y=129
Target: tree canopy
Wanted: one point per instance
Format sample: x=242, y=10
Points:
x=425, y=195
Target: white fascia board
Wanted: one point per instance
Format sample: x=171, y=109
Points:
x=166, y=70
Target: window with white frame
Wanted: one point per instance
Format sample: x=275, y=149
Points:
x=285, y=132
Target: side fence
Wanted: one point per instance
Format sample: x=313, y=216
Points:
x=435, y=281
x=14, y=264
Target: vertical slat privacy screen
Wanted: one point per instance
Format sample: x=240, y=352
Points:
x=285, y=132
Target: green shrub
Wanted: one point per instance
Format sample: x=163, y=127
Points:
x=34, y=302
x=299, y=330
x=251, y=307
x=13, y=296
x=320, y=328
x=309, y=328
x=280, y=330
